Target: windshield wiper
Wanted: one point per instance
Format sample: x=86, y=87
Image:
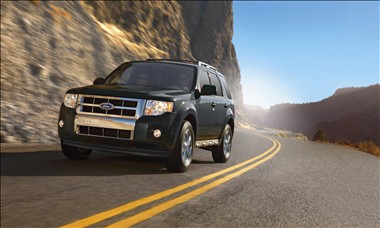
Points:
x=117, y=83
x=151, y=86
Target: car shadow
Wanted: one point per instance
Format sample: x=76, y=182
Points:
x=201, y=162
x=53, y=163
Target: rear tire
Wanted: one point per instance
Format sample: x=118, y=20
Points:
x=180, y=158
x=75, y=153
x=222, y=153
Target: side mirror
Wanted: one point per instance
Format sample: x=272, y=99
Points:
x=197, y=94
x=99, y=81
x=208, y=90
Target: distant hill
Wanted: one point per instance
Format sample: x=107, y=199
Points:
x=256, y=115
x=351, y=114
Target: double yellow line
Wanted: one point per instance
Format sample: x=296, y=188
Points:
x=144, y=215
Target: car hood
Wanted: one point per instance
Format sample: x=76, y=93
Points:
x=140, y=92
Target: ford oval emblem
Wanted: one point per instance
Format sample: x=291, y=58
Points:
x=107, y=106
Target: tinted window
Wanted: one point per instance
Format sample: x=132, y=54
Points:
x=216, y=83
x=203, y=79
x=226, y=88
x=156, y=75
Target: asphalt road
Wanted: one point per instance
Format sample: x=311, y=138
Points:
x=288, y=183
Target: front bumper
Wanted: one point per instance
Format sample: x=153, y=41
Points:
x=142, y=142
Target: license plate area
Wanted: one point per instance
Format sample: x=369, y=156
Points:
x=104, y=127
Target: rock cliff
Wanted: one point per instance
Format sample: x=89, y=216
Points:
x=49, y=47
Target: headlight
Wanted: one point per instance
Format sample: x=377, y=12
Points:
x=70, y=100
x=156, y=108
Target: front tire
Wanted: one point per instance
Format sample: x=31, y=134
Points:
x=222, y=153
x=75, y=153
x=180, y=158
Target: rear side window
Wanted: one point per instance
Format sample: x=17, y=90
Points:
x=215, y=82
x=226, y=88
x=203, y=79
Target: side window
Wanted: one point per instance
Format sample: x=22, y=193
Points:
x=203, y=79
x=226, y=88
x=215, y=82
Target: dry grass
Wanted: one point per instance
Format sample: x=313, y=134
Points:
x=369, y=147
x=287, y=134
x=282, y=134
x=365, y=146
x=300, y=136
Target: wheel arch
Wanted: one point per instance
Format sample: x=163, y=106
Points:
x=193, y=121
x=229, y=119
x=231, y=122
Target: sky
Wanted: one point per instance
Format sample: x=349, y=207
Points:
x=302, y=51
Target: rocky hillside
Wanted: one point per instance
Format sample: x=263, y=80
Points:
x=351, y=114
x=48, y=47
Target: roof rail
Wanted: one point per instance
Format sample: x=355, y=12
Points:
x=199, y=63
x=175, y=60
x=206, y=65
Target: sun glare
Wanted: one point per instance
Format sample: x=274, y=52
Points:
x=263, y=89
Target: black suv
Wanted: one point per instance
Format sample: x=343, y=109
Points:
x=161, y=108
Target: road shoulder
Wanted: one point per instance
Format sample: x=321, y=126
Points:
x=29, y=147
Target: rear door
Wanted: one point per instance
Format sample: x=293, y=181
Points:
x=206, y=112
x=219, y=103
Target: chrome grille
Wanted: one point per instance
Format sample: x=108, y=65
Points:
x=122, y=107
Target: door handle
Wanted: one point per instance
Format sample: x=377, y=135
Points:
x=225, y=105
x=213, y=104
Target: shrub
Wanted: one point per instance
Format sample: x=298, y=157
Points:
x=319, y=136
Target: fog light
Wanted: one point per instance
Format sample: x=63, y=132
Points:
x=157, y=133
x=61, y=123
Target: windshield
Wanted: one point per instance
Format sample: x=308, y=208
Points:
x=155, y=75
